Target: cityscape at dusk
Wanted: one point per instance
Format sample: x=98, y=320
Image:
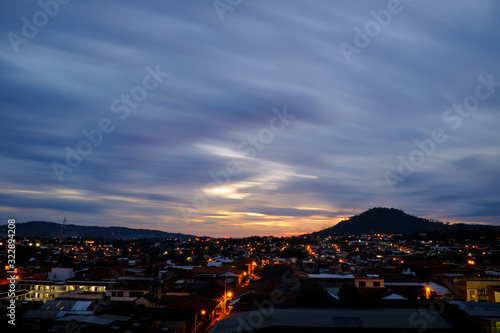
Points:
x=250, y=166
x=261, y=118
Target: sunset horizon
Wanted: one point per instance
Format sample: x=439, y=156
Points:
x=250, y=118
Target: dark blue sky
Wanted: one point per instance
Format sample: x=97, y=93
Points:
x=267, y=117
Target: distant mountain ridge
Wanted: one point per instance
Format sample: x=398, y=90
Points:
x=52, y=229
x=390, y=221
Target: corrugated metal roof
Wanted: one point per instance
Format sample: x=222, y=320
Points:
x=439, y=289
x=81, y=305
x=51, y=314
x=67, y=305
x=480, y=309
x=41, y=314
x=331, y=276
x=333, y=291
x=90, y=320
x=331, y=318
x=395, y=297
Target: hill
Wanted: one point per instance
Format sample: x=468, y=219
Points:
x=51, y=229
x=390, y=221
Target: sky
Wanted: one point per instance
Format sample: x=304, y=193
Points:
x=238, y=118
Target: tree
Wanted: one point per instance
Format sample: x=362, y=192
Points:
x=348, y=295
x=312, y=295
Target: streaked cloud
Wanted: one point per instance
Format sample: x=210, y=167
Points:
x=352, y=121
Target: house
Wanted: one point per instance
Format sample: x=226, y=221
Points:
x=486, y=315
x=331, y=280
x=474, y=288
x=41, y=290
x=219, y=262
x=369, y=281
x=61, y=274
x=146, y=300
x=373, y=284
x=59, y=308
x=202, y=310
x=284, y=261
x=493, y=293
x=130, y=288
x=230, y=276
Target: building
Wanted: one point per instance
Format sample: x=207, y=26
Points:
x=486, y=315
x=474, y=288
x=493, y=293
x=43, y=290
x=59, y=274
x=369, y=281
x=276, y=320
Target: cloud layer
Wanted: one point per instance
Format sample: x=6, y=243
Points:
x=209, y=149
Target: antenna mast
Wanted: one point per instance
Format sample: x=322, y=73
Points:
x=63, y=229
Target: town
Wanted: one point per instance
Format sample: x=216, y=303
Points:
x=438, y=282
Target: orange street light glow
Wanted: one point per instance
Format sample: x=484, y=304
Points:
x=428, y=292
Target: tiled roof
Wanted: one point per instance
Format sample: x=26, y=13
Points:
x=193, y=302
x=101, y=274
x=216, y=270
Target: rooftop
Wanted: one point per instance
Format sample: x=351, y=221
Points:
x=398, y=319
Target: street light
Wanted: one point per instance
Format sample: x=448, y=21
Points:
x=227, y=296
x=428, y=292
x=202, y=312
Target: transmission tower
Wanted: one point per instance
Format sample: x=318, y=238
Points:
x=63, y=228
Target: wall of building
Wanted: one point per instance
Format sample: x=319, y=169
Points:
x=476, y=289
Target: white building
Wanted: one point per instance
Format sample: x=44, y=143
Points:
x=61, y=274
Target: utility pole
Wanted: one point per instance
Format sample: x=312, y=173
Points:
x=225, y=297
